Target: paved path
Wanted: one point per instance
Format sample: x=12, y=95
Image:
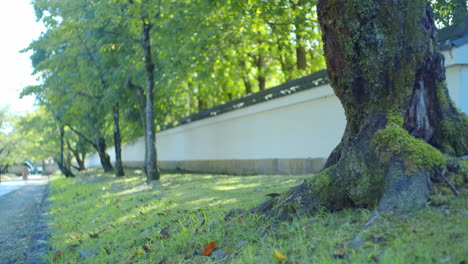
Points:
x=20, y=208
x=11, y=185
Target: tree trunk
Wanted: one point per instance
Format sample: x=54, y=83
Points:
x=384, y=66
x=152, y=170
x=100, y=146
x=61, y=162
x=103, y=156
x=299, y=20
x=247, y=85
x=119, y=172
x=301, y=55
x=140, y=94
x=77, y=156
x=261, y=75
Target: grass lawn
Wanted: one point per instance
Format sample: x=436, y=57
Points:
x=102, y=219
x=9, y=176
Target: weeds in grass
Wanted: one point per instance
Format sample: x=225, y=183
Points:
x=102, y=219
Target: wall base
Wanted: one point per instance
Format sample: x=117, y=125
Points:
x=243, y=167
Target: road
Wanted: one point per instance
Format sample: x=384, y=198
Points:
x=11, y=185
x=20, y=208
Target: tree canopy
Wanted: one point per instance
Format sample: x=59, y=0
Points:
x=205, y=53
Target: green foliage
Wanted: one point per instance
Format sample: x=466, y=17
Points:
x=454, y=134
x=100, y=219
x=205, y=53
x=448, y=12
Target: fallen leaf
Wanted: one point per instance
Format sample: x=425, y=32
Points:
x=208, y=249
x=58, y=255
x=163, y=234
x=72, y=248
x=273, y=195
x=340, y=255
x=279, y=255
x=146, y=248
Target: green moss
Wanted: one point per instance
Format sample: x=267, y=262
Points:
x=322, y=183
x=441, y=94
x=455, y=135
x=418, y=154
x=395, y=118
x=367, y=189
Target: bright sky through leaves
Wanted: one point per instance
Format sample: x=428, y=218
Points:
x=18, y=27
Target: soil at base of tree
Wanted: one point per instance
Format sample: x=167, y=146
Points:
x=19, y=214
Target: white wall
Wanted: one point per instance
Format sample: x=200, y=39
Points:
x=456, y=63
x=307, y=124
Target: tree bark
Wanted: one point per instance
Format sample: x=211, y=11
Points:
x=140, y=94
x=119, y=172
x=99, y=144
x=384, y=66
x=61, y=162
x=78, y=158
x=152, y=170
x=103, y=156
x=261, y=75
x=301, y=53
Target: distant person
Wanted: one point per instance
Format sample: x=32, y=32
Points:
x=25, y=172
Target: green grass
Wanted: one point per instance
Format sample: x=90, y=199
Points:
x=102, y=219
x=9, y=176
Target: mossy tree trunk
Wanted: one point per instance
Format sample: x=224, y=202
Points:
x=119, y=171
x=384, y=66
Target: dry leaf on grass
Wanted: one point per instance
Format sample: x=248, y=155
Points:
x=208, y=249
x=279, y=255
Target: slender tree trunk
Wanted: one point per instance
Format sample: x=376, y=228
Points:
x=103, y=156
x=99, y=144
x=61, y=162
x=152, y=170
x=384, y=66
x=201, y=104
x=117, y=143
x=261, y=75
x=247, y=85
x=301, y=55
x=140, y=94
x=299, y=20
x=77, y=156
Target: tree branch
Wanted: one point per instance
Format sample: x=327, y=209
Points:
x=83, y=137
x=98, y=97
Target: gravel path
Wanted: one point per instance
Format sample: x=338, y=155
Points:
x=23, y=227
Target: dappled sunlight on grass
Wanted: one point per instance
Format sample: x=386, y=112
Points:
x=103, y=219
x=234, y=187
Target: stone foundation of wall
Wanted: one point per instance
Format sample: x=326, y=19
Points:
x=242, y=167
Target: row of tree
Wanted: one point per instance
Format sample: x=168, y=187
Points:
x=155, y=61
x=113, y=69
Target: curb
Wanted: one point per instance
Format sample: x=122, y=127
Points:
x=39, y=246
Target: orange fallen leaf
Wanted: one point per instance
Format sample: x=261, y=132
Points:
x=279, y=255
x=208, y=249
